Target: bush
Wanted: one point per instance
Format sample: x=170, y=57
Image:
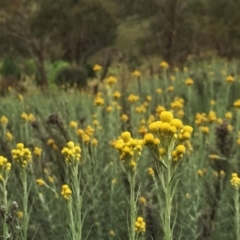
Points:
x=72, y=77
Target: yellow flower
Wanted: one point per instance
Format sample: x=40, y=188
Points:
x=37, y=151
x=66, y=192
x=40, y=182
x=204, y=129
x=111, y=233
x=228, y=115
x=170, y=88
x=116, y=94
x=73, y=124
x=9, y=136
x=132, y=98
x=22, y=155
x=126, y=136
x=124, y=117
x=235, y=181
x=71, y=153
x=236, y=104
x=166, y=116
x=111, y=80
x=109, y=109
x=140, y=225
x=189, y=82
x=164, y=65
x=200, y=173
x=151, y=172
x=136, y=73
x=214, y=156
x=159, y=91
x=19, y=214
x=99, y=101
x=149, y=138
x=20, y=97
x=97, y=68
x=230, y=79
x=142, y=200
x=212, y=102
x=4, y=120
x=180, y=149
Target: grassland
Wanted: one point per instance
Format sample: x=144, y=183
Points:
x=205, y=203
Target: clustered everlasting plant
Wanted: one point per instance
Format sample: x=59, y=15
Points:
x=130, y=151
x=166, y=143
x=72, y=155
x=23, y=158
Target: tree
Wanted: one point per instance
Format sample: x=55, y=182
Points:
x=22, y=23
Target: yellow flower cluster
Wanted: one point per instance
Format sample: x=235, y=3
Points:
x=5, y=167
x=200, y=118
x=124, y=117
x=228, y=115
x=99, y=101
x=71, y=153
x=136, y=73
x=28, y=117
x=73, y=124
x=212, y=116
x=230, y=79
x=51, y=143
x=130, y=149
x=86, y=134
x=142, y=130
x=204, y=129
x=116, y=95
x=189, y=82
x=178, y=152
x=133, y=98
x=4, y=120
x=66, y=192
x=40, y=182
x=165, y=131
x=37, y=151
x=235, y=180
x=140, y=225
x=151, y=171
x=236, y=104
x=159, y=90
x=177, y=104
x=22, y=155
x=97, y=67
x=141, y=108
x=164, y=65
x=160, y=109
x=9, y=136
x=111, y=80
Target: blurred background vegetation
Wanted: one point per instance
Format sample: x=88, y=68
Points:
x=44, y=38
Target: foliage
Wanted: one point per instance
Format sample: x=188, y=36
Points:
x=46, y=122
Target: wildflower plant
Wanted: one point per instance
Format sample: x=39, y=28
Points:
x=166, y=142
x=235, y=182
x=23, y=158
x=130, y=151
x=5, y=168
x=72, y=155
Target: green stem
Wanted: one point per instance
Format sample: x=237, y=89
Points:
x=132, y=207
x=168, y=199
x=78, y=198
x=25, y=203
x=237, y=217
x=5, y=226
x=72, y=225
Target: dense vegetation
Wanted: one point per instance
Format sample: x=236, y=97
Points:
x=46, y=122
